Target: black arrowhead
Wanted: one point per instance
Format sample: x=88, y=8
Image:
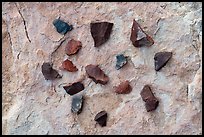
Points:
x=101, y=118
x=77, y=104
x=161, y=59
x=100, y=32
x=48, y=72
x=74, y=88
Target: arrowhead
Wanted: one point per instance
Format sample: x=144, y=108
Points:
x=151, y=102
x=161, y=59
x=101, y=118
x=100, y=32
x=74, y=88
x=138, y=37
x=96, y=74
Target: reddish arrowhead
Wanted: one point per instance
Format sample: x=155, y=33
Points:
x=138, y=37
x=96, y=74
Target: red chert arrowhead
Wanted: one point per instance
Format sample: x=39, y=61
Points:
x=123, y=88
x=96, y=74
x=73, y=47
x=138, y=37
x=69, y=66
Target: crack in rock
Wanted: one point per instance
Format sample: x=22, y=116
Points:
x=24, y=22
x=51, y=56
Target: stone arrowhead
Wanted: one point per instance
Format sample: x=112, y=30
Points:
x=138, y=37
x=48, y=72
x=69, y=66
x=123, y=88
x=96, y=74
x=161, y=59
x=100, y=32
x=73, y=47
x=74, y=88
x=101, y=118
x=148, y=97
x=61, y=26
x=77, y=104
x=121, y=60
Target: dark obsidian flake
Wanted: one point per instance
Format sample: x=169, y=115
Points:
x=61, y=26
x=77, y=104
x=100, y=32
x=48, y=72
x=96, y=74
x=101, y=118
x=151, y=102
x=138, y=37
x=74, y=88
x=161, y=59
x=121, y=60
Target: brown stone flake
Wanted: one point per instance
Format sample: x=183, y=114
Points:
x=69, y=66
x=96, y=74
x=138, y=37
x=73, y=47
x=123, y=88
x=48, y=72
x=100, y=32
x=161, y=59
x=151, y=102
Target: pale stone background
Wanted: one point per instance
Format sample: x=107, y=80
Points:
x=32, y=106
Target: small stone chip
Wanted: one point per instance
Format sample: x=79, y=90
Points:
x=96, y=74
x=161, y=59
x=48, y=72
x=121, y=61
x=77, y=104
x=69, y=66
x=123, y=88
x=151, y=102
x=100, y=32
x=74, y=88
x=61, y=26
x=138, y=37
x=101, y=118
x=73, y=47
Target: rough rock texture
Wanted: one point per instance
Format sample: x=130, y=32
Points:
x=32, y=105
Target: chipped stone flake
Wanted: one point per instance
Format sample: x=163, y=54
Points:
x=100, y=32
x=77, y=104
x=69, y=66
x=73, y=47
x=74, y=88
x=161, y=59
x=61, y=26
x=48, y=72
x=96, y=74
x=138, y=37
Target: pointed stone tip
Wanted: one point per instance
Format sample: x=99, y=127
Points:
x=138, y=37
x=77, y=104
x=100, y=32
x=161, y=59
x=121, y=60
